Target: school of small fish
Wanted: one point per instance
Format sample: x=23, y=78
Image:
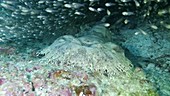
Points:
x=28, y=18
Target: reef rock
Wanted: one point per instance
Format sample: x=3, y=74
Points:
x=89, y=64
x=147, y=44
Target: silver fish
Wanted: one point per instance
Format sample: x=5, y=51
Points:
x=11, y=2
x=9, y=7
x=68, y=5
x=127, y=13
x=79, y=13
x=125, y=1
x=100, y=9
x=77, y=5
x=109, y=4
x=93, y=9
x=41, y=1
x=49, y=10
x=137, y=3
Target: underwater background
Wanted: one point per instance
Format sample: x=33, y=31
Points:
x=84, y=48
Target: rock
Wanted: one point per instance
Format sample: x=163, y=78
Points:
x=147, y=45
x=102, y=61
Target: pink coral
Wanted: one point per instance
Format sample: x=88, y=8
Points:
x=2, y=81
x=65, y=92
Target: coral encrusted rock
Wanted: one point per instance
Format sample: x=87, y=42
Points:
x=90, y=65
